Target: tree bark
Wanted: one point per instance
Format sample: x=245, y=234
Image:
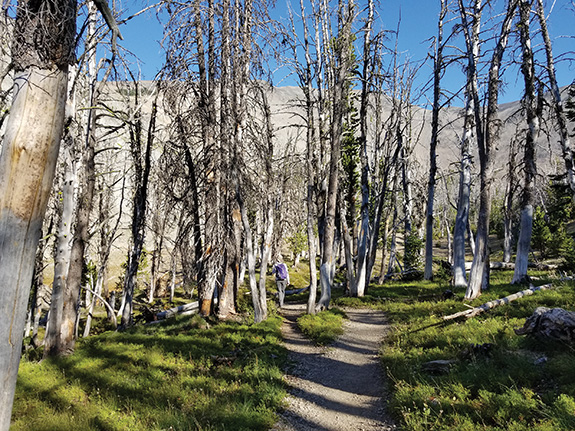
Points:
x=529, y=163
x=472, y=312
x=43, y=49
x=142, y=165
x=472, y=42
x=53, y=342
x=362, y=277
x=341, y=75
x=487, y=144
x=508, y=210
x=437, y=72
x=311, y=144
x=558, y=107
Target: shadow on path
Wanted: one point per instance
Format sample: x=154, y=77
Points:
x=340, y=387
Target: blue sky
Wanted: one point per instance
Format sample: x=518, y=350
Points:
x=418, y=24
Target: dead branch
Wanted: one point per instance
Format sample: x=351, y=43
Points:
x=472, y=312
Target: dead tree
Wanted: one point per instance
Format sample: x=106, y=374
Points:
x=43, y=49
x=487, y=146
x=529, y=161
x=342, y=66
x=471, y=32
x=438, y=65
x=141, y=152
x=557, y=102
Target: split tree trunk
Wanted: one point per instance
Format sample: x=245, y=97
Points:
x=487, y=145
x=472, y=42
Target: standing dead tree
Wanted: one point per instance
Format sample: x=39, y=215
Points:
x=529, y=161
x=471, y=26
x=556, y=101
x=141, y=144
x=43, y=49
x=438, y=66
x=487, y=146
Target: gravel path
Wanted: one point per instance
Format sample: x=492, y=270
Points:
x=340, y=387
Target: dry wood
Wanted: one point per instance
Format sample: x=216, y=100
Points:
x=190, y=308
x=472, y=312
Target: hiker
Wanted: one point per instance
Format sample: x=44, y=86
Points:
x=282, y=279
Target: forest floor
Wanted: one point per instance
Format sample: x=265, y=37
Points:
x=338, y=387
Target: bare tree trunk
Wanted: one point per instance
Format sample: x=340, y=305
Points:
x=269, y=221
x=528, y=71
x=84, y=206
x=480, y=268
x=307, y=86
x=361, y=280
x=260, y=313
x=508, y=211
x=53, y=343
x=472, y=42
x=340, y=86
x=394, y=223
x=43, y=49
x=348, y=253
x=437, y=71
x=107, y=237
x=142, y=167
x=556, y=100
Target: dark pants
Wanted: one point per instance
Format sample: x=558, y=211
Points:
x=281, y=285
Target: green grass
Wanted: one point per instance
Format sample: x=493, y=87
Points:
x=324, y=327
x=176, y=375
x=513, y=383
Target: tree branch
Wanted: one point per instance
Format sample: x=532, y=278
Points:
x=102, y=6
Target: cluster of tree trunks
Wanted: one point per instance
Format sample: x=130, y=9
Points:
x=213, y=175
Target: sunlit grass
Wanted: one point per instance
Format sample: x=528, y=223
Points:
x=497, y=381
x=168, y=376
x=323, y=327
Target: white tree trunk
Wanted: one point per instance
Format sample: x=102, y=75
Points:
x=53, y=340
x=472, y=41
x=529, y=158
x=27, y=163
x=480, y=268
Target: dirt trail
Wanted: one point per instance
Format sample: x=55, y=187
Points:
x=339, y=387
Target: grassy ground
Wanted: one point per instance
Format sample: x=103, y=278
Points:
x=324, y=327
x=185, y=374
x=178, y=375
x=497, y=380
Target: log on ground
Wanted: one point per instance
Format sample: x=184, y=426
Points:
x=472, y=312
x=190, y=308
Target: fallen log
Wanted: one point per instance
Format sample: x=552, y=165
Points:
x=550, y=324
x=190, y=308
x=511, y=265
x=472, y=312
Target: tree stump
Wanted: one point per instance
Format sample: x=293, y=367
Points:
x=554, y=324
